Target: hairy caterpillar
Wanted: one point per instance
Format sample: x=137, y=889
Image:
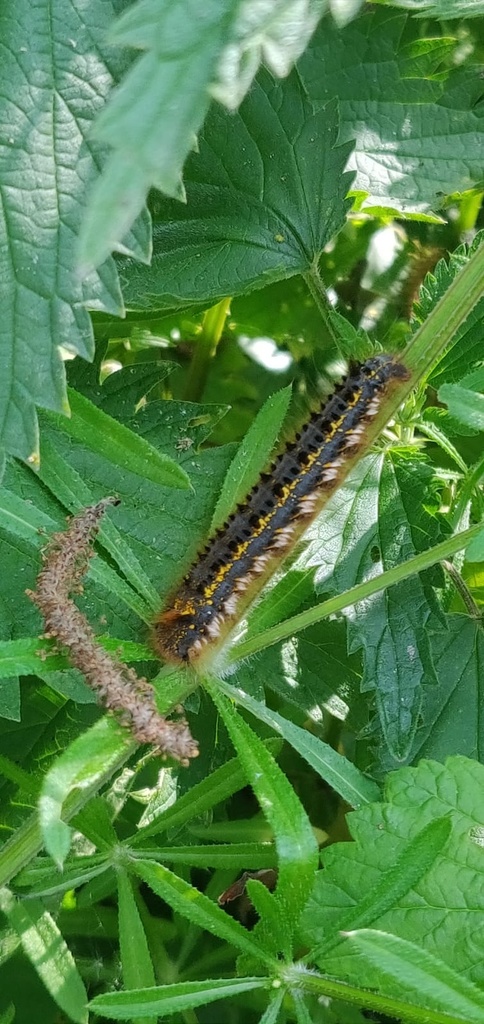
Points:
x=268, y=521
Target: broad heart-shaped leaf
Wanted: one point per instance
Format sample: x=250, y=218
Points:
x=265, y=193
x=153, y=118
x=417, y=133
x=414, y=799
x=56, y=73
x=375, y=521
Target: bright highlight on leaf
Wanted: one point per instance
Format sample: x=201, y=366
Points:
x=153, y=118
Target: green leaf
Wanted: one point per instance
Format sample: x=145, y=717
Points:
x=95, y=821
x=200, y=910
x=239, y=856
x=10, y=699
x=465, y=353
x=68, y=487
x=165, y=1000
x=48, y=953
x=46, y=127
x=302, y=1012
x=245, y=224
x=168, y=533
x=153, y=118
x=374, y=522
x=85, y=763
x=135, y=955
x=25, y=658
x=123, y=448
x=417, y=131
x=22, y=519
x=271, y=1014
x=252, y=455
x=216, y=788
x=445, y=10
x=7, y=1016
x=466, y=406
x=414, y=799
x=412, y=863
x=293, y=835
x=335, y=769
x=475, y=551
x=30, y=657
x=9, y=944
x=399, y=965
x=42, y=879
x=449, y=719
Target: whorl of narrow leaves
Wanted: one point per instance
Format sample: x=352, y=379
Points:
x=66, y=560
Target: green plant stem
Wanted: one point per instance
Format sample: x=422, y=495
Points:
x=472, y=608
x=318, y=292
x=359, y=593
x=468, y=487
x=205, y=346
x=394, y=1008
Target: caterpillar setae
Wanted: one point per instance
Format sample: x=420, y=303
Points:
x=269, y=520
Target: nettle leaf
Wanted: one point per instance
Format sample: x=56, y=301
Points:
x=149, y=548
x=166, y=536
x=417, y=132
x=56, y=74
x=466, y=351
x=103, y=434
x=440, y=9
x=415, y=798
x=376, y=521
x=265, y=193
x=464, y=405
x=450, y=718
x=312, y=670
x=154, y=116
